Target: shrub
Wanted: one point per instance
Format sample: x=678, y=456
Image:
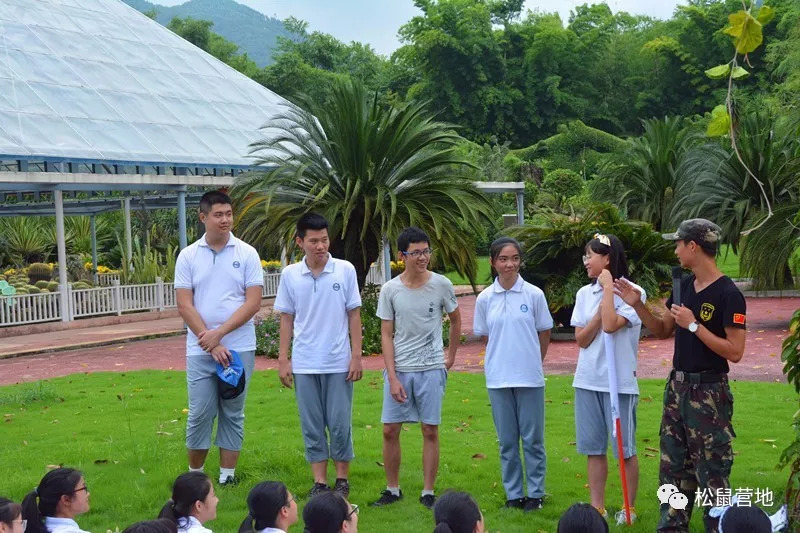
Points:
x=268, y=329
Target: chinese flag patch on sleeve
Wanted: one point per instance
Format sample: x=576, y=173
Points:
x=738, y=318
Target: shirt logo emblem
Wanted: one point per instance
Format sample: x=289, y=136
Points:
x=739, y=318
x=236, y=264
x=706, y=312
x=523, y=308
x=336, y=286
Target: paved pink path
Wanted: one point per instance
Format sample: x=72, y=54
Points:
x=767, y=327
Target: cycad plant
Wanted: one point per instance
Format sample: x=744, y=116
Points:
x=371, y=170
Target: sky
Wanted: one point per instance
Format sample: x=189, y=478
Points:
x=376, y=21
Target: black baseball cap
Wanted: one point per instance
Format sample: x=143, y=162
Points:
x=704, y=232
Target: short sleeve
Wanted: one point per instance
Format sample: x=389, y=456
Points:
x=449, y=300
x=479, y=325
x=544, y=320
x=627, y=312
x=353, y=296
x=183, y=270
x=254, y=273
x=734, y=314
x=284, y=300
x=385, y=309
x=578, y=320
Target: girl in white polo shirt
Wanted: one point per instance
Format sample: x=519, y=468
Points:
x=598, y=310
x=513, y=315
x=52, y=506
x=193, y=503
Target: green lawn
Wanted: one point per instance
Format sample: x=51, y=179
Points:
x=126, y=432
x=484, y=273
x=728, y=262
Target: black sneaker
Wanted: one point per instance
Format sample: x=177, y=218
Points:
x=533, y=504
x=342, y=486
x=387, y=498
x=517, y=503
x=230, y=481
x=318, y=488
x=428, y=500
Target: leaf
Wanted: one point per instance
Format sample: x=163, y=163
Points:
x=720, y=122
x=719, y=72
x=745, y=30
x=479, y=456
x=101, y=461
x=765, y=14
x=739, y=73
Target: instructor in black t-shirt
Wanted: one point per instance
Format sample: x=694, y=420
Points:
x=696, y=430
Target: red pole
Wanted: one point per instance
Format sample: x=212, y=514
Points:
x=622, y=475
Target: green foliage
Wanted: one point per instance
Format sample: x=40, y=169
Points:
x=563, y=184
x=720, y=123
x=146, y=264
x=552, y=252
x=268, y=334
x=790, y=456
x=26, y=239
x=370, y=323
x=40, y=273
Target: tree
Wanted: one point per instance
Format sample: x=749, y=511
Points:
x=371, y=171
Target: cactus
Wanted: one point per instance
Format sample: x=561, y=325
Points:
x=52, y=286
x=42, y=284
x=78, y=285
x=22, y=290
x=39, y=272
x=33, y=289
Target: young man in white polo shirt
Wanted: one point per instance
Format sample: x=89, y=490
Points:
x=319, y=302
x=410, y=307
x=218, y=282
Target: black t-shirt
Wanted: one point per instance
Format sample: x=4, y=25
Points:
x=716, y=307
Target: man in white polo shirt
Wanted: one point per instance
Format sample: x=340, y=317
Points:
x=218, y=282
x=319, y=302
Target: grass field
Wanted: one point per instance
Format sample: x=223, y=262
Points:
x=126, y=432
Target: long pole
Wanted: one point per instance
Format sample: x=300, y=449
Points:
x=613, y=390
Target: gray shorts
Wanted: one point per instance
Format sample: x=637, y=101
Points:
x=593, y=425
x=325, y=401
x=205, y=404
x=425, y=393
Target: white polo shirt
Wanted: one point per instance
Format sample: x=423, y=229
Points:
x=321, y=342
x=512, y=320
x=219, y=281
x=62, y=525
x=592, y=370
x=191, y=524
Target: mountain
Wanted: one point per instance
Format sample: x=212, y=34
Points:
x=254, y=32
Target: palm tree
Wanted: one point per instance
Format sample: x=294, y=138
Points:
x=716, y=186
x=642, y=179
x=371, y=171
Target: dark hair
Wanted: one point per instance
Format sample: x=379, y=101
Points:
x=264, y=502
x=162, y=525
x=745, y=520
x=9, y=510
x=709, y=248
x=456, y=512
x=212, y=198
x=189, y=487
x=582, y=518
x=325, y=512
x=309, y=221
x=617, y=264
x=409, y=236
x=497, y=246
x=43, y=500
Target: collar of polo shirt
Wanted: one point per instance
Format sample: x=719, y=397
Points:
x=517, y=287
x=230, y=242
x=329, y=266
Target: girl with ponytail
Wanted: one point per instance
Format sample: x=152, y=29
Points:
x=330, y=512
x=193, y=503
x=51, y=507
x=11, y=517
x=457, y=512
x=272, y=509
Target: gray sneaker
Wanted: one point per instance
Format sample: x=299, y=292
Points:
x=318, y=488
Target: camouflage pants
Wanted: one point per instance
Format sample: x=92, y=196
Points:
x=696, y=434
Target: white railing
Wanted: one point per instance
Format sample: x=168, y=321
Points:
x=29, y=308
x=375, y=275
x=92, y=302
x=107, y=280
x=270, y=288
x=169, y=295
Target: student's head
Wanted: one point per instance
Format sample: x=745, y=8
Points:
x=457, y=512
x=414, y=248
x=696, y=242
x=312, y=236
x=582, y=518
x=745, y=520
x=270, y=505
x=162, y=525
x=10, y=517
x=329, y=512
x=505, y=256
x=216, y=213
x=605, y=252
x=61, y=492
x=192, y=495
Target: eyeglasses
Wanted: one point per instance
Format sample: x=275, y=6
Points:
x=416, y=254
x=289, y=501
x=585, y=259
x=354, y=510
x=85, y=487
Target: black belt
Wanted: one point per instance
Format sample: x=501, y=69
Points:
x=697, y=377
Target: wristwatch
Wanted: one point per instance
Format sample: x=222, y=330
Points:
x=693, y=327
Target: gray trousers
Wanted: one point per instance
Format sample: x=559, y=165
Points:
x=325, y=401
x=518, y=413
x=205, y=404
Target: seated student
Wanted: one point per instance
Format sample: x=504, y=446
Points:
x=457, y=512
x=51, y=507
x=193, y=503
x=744, y=519
x=582, y=518
x=11, y=517
x=272, y=509
x=162, y=525
x=330, y=512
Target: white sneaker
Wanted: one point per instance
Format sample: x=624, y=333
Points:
x=621, y=520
